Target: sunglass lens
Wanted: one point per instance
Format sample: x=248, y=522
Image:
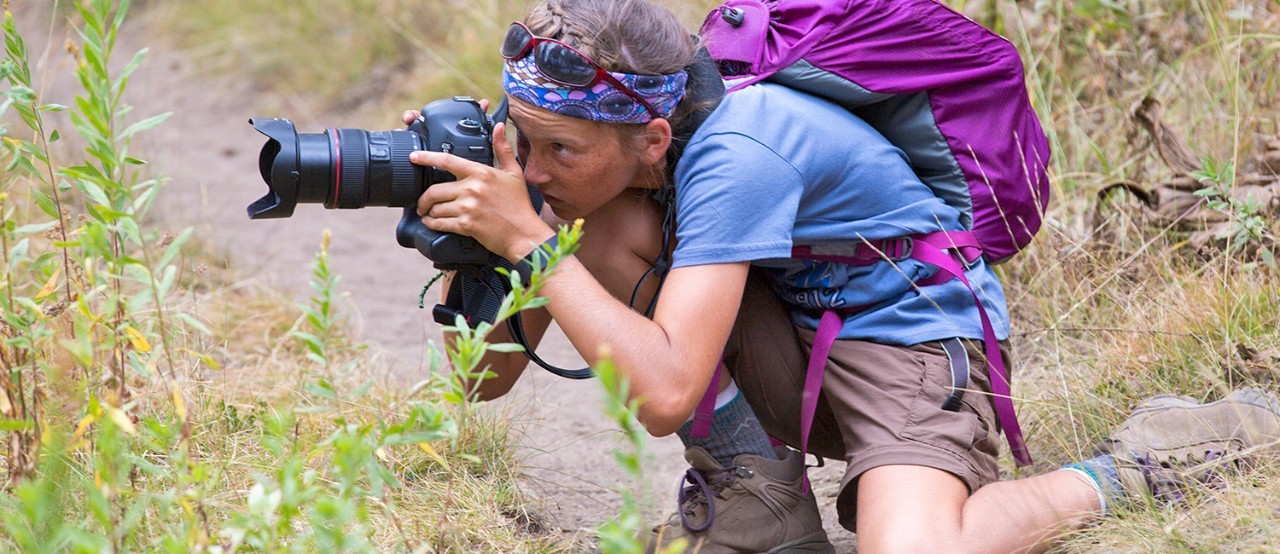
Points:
x=517, y=40
x=564, y=65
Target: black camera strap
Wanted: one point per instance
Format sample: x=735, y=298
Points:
x=517, y=333
x=476, y=293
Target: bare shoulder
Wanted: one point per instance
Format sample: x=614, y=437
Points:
x=630, y=223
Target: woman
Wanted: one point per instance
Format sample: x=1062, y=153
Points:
x=769, y=168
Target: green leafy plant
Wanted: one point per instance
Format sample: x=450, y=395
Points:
x=1248, y=226
x=468, y=349
x=85, y=304
x=626, y=533
x=114, y=443
x=320, y=315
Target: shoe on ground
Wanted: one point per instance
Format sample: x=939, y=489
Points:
x=754, y=505
x=1172, y=444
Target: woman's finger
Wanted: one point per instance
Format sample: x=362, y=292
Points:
x=461, y=168
x=503, y=154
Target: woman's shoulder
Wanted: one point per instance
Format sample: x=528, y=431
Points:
x=773, y=113
x=767, y=126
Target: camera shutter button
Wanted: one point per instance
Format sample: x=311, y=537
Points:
x=468, y=126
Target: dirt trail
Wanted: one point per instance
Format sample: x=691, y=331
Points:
x=209, y=152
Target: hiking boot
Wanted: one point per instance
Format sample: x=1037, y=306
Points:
x=755, y=505
x=1170, y=444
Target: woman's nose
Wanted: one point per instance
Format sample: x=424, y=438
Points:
x=533, y=172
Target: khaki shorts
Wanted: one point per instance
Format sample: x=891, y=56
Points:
x=880, y=405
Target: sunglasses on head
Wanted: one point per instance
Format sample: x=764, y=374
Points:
x=562, y=63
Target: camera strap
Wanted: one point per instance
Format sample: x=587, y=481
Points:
x=477, y=294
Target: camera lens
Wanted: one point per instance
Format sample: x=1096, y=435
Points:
x=355, y=168
x=372, y=168
x=339, y=168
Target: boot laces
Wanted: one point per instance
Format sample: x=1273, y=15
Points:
x=1168, y=482
x=697, y=488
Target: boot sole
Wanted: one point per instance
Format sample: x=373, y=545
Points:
x=1250, y=396
x=1253, y=397
x=1163, y=402
x=810, y=544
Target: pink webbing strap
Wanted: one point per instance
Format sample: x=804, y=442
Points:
x=828, y=328
x=706, y=410
x=930, y=249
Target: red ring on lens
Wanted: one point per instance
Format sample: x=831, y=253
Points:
x=337, y=166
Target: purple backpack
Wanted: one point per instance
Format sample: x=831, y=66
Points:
x=942, y=88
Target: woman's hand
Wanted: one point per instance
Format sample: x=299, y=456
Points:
x=490, y=204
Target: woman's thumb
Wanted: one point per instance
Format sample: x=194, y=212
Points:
x=504, y=156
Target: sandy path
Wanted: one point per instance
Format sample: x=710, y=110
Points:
x=209, y=152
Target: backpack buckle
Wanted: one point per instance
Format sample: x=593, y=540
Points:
x=898, y=249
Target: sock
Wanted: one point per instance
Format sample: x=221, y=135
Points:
x=1102, y=473
x=734, y=430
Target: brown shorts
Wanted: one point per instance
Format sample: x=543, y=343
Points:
x=880, y=405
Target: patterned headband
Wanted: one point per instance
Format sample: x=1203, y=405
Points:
x=522, y=80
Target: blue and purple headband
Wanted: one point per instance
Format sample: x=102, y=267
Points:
x=524, y=81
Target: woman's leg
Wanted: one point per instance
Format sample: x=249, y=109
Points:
x=1168, y=445
x=904, y=508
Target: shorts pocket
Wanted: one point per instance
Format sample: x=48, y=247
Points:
x=957, y=432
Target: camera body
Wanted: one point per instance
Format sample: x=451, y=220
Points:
x=355, y=168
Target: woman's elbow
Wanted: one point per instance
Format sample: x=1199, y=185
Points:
x=664, y=418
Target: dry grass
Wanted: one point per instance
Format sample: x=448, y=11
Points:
x=345, y=55
x=1109, y=309
x=470, y=503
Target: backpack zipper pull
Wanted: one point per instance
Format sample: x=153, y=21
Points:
x=732, y=16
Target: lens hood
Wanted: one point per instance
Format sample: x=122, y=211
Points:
x=278, y=163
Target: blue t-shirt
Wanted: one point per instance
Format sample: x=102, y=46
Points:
x=772, y=167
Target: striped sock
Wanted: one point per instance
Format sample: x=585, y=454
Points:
x=1105, y=477
x=734, y=430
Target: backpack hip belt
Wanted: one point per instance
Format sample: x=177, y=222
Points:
x=945, y=250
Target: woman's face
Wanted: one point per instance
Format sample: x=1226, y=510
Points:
x=577, y=165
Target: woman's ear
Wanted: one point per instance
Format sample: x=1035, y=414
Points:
x=656, y=138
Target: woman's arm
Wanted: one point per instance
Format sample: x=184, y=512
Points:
x=670, y=359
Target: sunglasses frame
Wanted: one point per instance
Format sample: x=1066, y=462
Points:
x=530, y=49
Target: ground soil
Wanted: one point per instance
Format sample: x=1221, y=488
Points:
x=209, y=152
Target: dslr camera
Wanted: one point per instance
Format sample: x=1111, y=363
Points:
x=355, y=168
